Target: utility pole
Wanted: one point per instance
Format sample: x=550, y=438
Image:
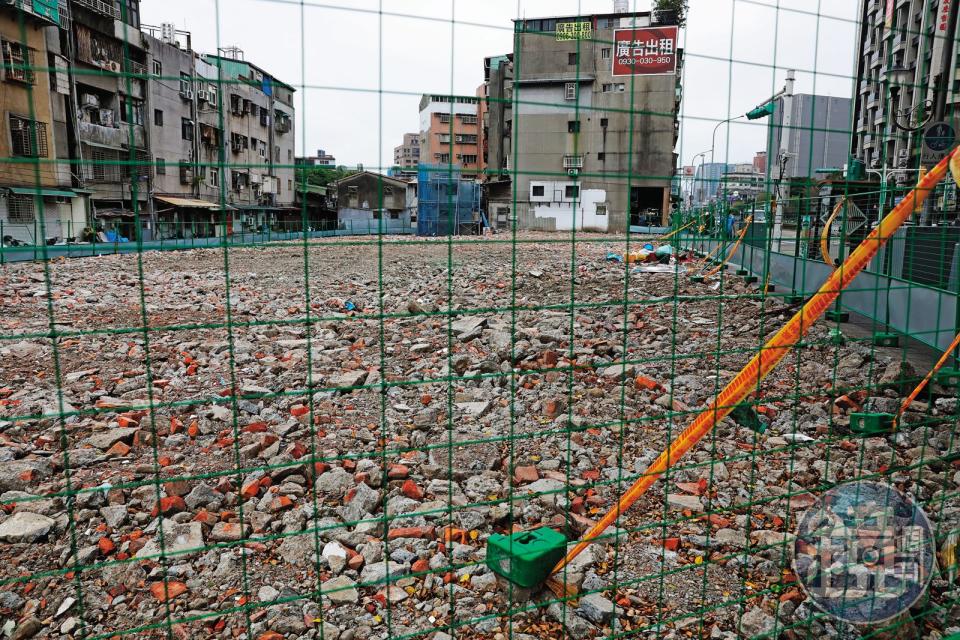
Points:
x=786, y=128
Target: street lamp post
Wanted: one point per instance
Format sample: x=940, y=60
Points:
x=713, y=139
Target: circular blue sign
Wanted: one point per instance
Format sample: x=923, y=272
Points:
x=864, y=552
x=939, y=136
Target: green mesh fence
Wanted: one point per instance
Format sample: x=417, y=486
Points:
x=244, y=395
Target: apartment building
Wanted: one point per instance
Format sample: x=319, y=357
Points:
x=594, y=123
x=322, y=159
x=449, y=132
x=142, y=136
x=258, y=170
x=110, y=85
x=907, y=68
x=182, y=119
x=37, y=203
x=814, y=135
x=742, y=182
x=406, y=157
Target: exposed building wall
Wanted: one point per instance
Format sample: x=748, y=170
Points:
x=497, y=144
x=369, y=220
x=368, y=191
x=627, y=125
x=559, y=210
x=171, y=118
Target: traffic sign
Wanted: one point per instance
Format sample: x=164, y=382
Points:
x=938, y=138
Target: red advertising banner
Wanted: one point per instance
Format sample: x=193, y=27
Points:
x=889, y=21
x=645, y=52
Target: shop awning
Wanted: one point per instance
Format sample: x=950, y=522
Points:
x=34, y=191
x=189, y=203
x=114, y=213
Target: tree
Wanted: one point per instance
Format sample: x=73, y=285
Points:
x=322, y=176
x=672, y=11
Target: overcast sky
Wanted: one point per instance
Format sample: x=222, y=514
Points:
x=358, y=88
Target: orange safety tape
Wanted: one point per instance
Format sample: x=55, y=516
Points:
x=673, y=233
x=703, y=263
x=733, y=251
x=926, y=380
x=825, y=236
x=761, y=364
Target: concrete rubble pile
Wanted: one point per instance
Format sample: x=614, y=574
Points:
x=231, y=473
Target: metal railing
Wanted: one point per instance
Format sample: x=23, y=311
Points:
x=121, y=236
x=100, y=6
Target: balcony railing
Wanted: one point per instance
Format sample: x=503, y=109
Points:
x=100, y=6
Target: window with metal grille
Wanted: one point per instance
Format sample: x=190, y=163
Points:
x=161, y=166
x=469, y=159
x=138, y=167
x=28, y=137
x=99, y=168
x=17, y=62
x=131, y=110
x=20, y=209
x=570, y=91
x=186, y=172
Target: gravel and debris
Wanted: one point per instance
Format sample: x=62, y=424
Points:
x=224, y=448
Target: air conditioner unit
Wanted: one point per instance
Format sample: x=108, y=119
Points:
x=89, y=100
x=203, y=96
x=572, y=172
x=187, y=95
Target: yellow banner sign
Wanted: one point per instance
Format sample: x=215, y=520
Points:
x=574, y=31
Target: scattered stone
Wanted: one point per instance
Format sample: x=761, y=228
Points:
x=24, y=526
x=595, y=608
x=109, y=437
x=755, y=622
x=680, y=501
x=340, y=590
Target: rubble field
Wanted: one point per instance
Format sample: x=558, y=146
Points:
x=316, y=442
